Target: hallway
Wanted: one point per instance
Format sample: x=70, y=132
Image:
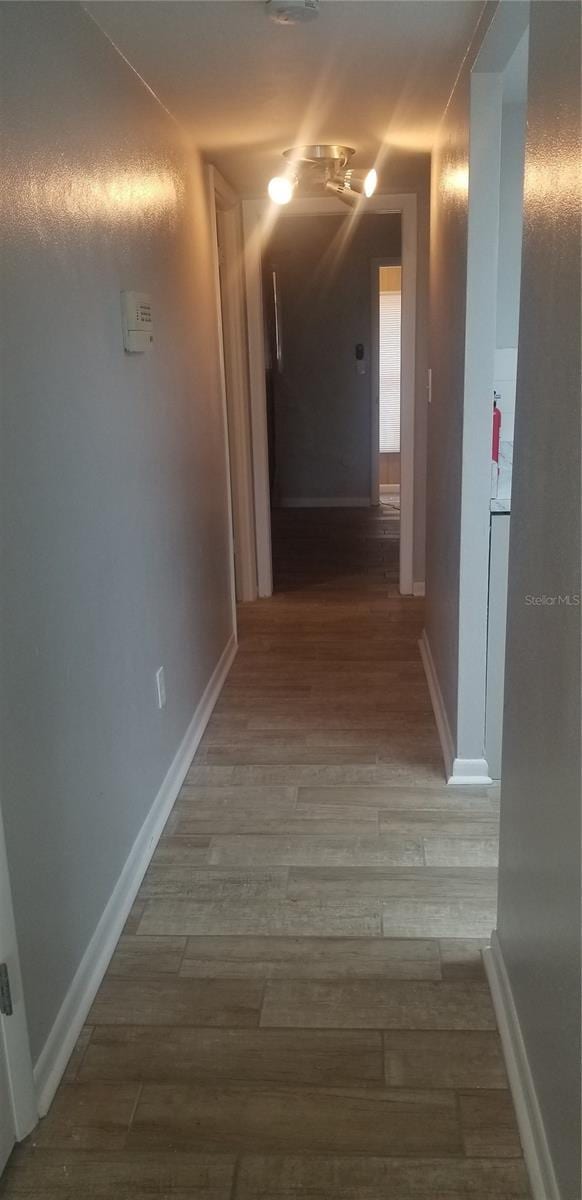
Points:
x=296, y=1007
x=252, y=945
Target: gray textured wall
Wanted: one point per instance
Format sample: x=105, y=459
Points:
x=539, y=886
x=448, y=287
x=114, y=530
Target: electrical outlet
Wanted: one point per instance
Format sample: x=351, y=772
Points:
x=161, y=687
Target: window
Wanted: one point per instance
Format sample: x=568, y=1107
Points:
x=389, y=366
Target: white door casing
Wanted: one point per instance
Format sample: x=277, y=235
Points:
x=226, y=227
x=18, y=1109
x=7, y=1130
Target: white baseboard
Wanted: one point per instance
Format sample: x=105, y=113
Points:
x=460, y=772
x=79, y=998
x=536, y=1151
x=438, y=704
x=469, y=772
x=325, y=502
x=419, y=588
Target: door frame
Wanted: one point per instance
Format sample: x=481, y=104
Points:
x=375, y=265
x=259, y=219
x=225, y=208
x=14, y=1029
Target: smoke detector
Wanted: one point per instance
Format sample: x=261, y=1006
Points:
x=292, y=12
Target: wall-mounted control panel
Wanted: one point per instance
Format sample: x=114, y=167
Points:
x=137, y=321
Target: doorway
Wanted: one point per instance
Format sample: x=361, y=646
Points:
x=386, y=355
x=495, y=213
x=322, y=357
x=259, y=224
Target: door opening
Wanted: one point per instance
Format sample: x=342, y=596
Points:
x=386, y=384
x=260, y=224
x=495, y=216
x=332, y=352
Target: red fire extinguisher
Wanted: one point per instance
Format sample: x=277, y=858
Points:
x=496, y=432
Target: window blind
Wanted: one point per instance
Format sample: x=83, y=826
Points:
x=389, y=372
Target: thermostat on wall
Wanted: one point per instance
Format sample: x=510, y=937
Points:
x=137, y=320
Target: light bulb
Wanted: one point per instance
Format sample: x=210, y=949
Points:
x=370, y=183
x=280, y=189
x=339, y=188
x=360, y=183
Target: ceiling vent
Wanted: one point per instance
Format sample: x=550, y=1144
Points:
x=292, y=12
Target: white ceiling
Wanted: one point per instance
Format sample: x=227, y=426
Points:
x=374, y=74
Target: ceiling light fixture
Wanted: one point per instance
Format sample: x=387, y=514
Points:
x=325, y=167
x=292, y=12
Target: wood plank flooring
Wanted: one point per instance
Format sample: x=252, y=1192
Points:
x=297, y=1006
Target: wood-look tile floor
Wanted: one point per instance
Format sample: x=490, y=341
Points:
x=297, y=1006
